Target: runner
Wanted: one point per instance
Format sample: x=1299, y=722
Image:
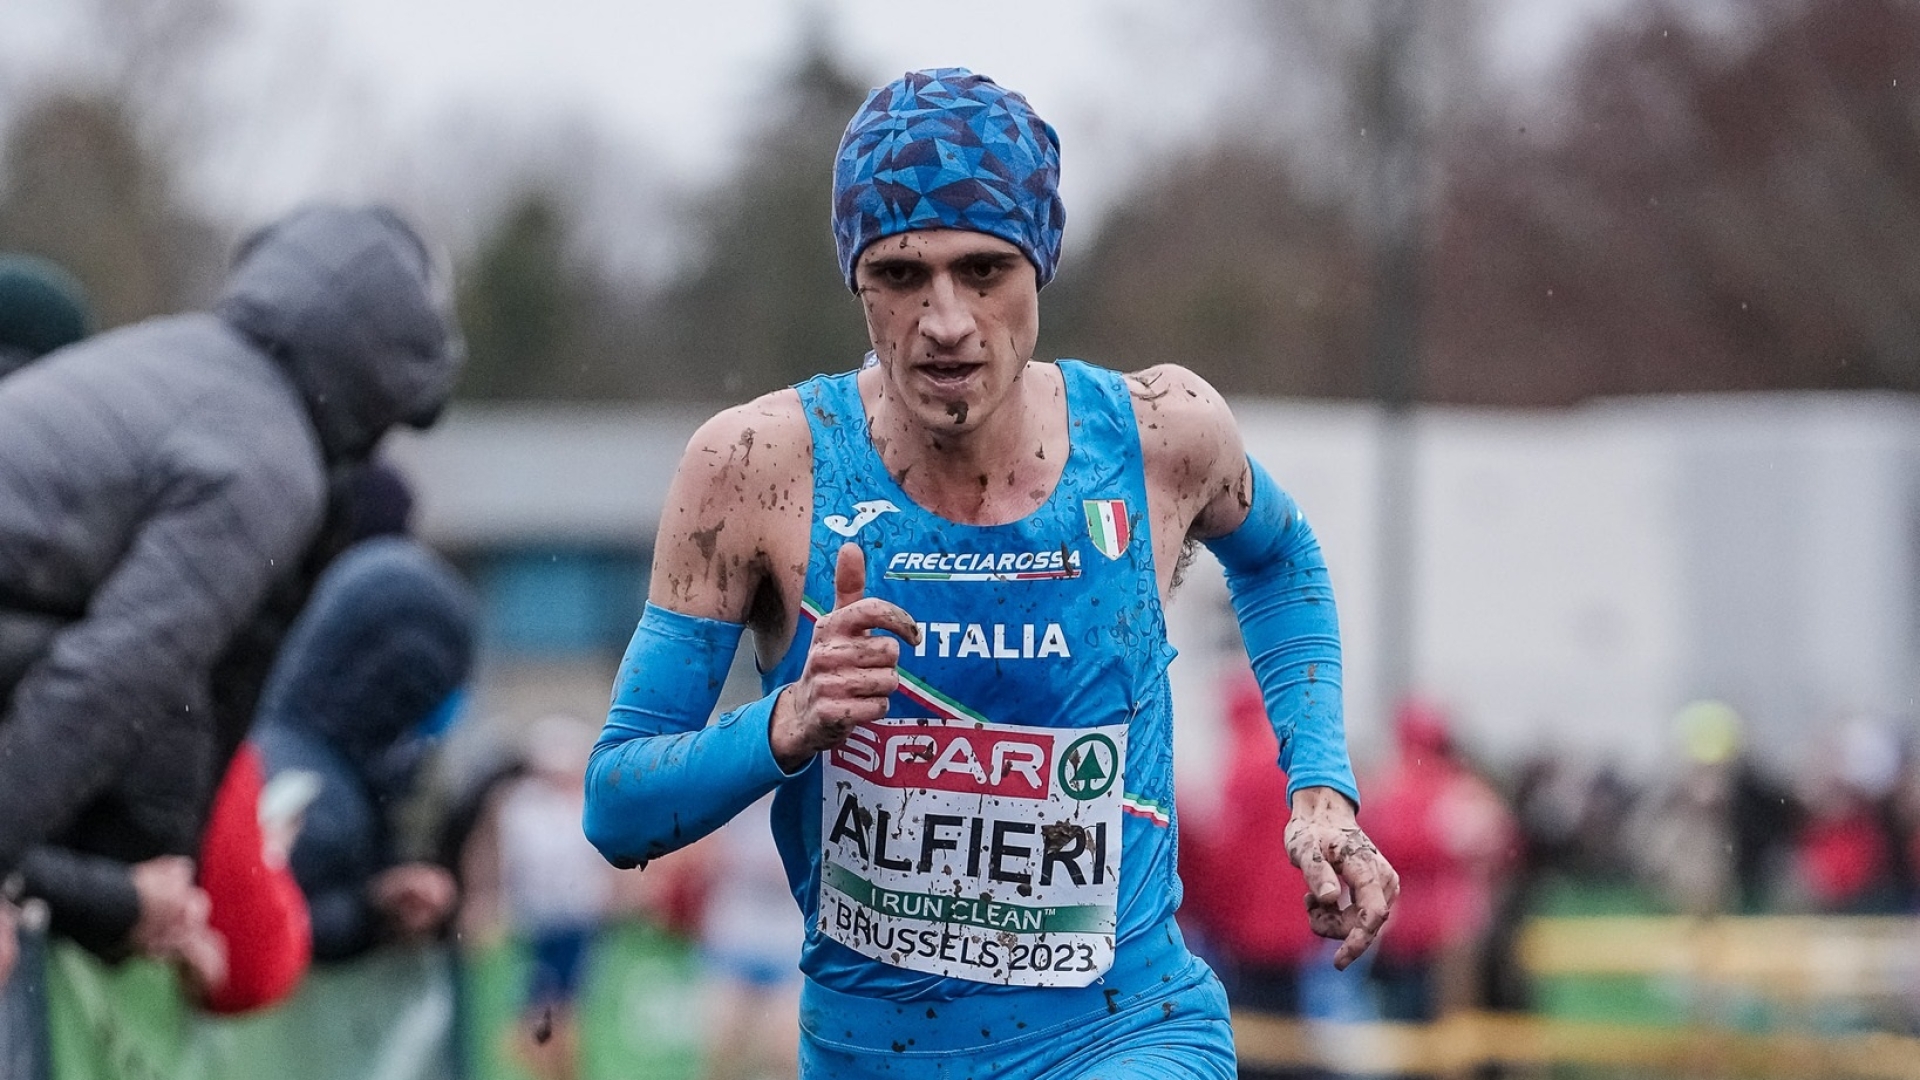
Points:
x=953, y=561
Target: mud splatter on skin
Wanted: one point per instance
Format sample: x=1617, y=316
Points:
x=957, y=410
x=1149, y=388
x=1353, y=844
x=746, y=445
x=708, y=540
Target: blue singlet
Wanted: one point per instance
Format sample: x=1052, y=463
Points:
x=994, y=861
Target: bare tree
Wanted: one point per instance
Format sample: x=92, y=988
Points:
x=1730, y=206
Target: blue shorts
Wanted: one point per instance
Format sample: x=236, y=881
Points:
x=558, y=958
x=1164, y=1020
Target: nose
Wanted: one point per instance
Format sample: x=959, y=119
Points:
x=948, y=319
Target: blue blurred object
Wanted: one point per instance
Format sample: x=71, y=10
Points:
x=370, y=676
x=42, y=307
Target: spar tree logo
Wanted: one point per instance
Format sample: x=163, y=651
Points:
x=1089, y=767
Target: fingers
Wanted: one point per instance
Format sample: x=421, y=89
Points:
x=1374, y=887
x=849, y=575
x=1339, y=860
x=868, y=614
x=850, y=671
x=855, y=613
x=1309, y=848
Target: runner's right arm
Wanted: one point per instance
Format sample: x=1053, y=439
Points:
x=733, y=548
x=661, y=777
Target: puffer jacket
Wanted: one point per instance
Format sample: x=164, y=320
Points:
x=155, y=483
x=355, y=698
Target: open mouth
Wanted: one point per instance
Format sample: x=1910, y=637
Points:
x=948, y=375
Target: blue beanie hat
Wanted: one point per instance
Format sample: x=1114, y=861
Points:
x=946, y=148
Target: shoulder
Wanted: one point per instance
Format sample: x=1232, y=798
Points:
x=766, y=438
x=1190, y=446
x=1183, y=420
x=737, y=508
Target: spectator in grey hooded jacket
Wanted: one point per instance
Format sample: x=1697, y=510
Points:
x=157, y=484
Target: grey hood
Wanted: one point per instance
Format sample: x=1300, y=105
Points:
x=350, y=301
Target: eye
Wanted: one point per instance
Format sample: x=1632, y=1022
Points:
x=895, y=274
x=983, y=271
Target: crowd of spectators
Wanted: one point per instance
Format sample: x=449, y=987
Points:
x=1480, y=849
x=172, y=494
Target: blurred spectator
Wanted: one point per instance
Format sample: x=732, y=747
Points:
x=1569, y=815
x=1451, y=836
x=554, y=890
x=1716, y=842
x=1242, y=892
x=377, y=501
x=42, y=308
x=750, y=936
x=161, y=485
x=1906, y=817
x=1847, y=856
x=254, y=904
x=368, y=680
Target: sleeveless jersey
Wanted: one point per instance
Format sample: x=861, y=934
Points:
x=1009, y=823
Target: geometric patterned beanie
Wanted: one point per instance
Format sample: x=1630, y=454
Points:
x=946, y=148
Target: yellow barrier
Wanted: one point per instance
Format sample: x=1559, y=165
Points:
x=1464, y=1041
x=1810, y=956
x=1793, y=960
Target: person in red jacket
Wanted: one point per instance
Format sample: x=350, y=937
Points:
x=1451, y=835
x=1242, y=893
x=255, y=905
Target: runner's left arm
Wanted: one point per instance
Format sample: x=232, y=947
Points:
x=1282, y=597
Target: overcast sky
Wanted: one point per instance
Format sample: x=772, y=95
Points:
x=322, y=91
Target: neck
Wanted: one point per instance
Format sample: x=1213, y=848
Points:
x=992, y=472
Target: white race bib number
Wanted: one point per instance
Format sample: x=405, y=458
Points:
x=976, y=851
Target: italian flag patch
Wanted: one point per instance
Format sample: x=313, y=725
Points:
x=1107, y=525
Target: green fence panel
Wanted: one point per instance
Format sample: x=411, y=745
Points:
x=640, y=1014
x=386, y=1017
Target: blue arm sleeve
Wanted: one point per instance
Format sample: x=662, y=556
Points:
x=1281, y=595
x=661, y=777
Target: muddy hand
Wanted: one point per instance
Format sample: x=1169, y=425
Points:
x=1340, y=864
x=849, y=673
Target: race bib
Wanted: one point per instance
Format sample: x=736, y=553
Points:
x=985, y=852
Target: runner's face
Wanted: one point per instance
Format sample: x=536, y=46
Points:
x=953, y=316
